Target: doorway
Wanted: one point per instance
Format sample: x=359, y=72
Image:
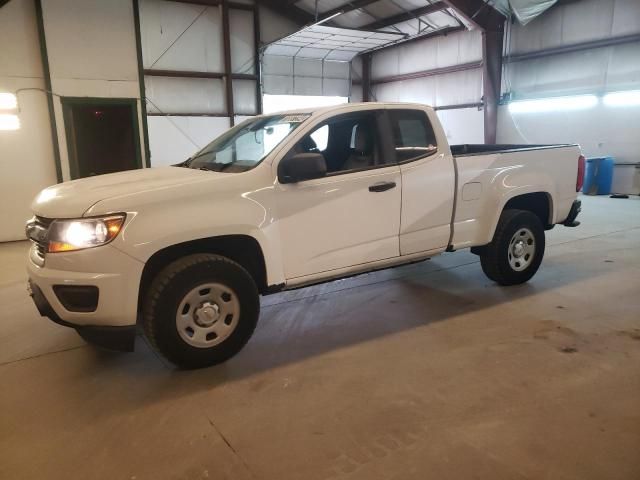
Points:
x=102, y=135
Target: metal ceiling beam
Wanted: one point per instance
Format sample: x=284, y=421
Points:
x=228, y=82
x=575, y=47
x=478, y=12
x=302, y=17
x=366, y=77
x=428, y=73
x=491, y=22
x=346, y=8
x=434, y=33
x=405, y=16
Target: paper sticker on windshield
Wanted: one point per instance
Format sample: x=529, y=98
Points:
x=295, y=118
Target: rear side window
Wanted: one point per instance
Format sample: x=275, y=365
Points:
x=413, y=135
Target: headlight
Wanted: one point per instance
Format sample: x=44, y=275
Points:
x=69, y=235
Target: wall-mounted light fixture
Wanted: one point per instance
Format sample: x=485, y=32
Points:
x=622, y=99
x=556, y=104
x=8, y=112
x=9, y=122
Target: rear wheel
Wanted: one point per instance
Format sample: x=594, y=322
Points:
x=515, y=253
x=201, y=310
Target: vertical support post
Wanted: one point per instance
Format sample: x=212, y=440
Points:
x=256, y=50
x=47, y=85
x=143, y=95
x=491, y=79
x=228, y=81
x=366, y=77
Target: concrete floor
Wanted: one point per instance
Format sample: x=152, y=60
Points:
x=427, y=371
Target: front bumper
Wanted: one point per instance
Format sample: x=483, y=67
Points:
x=116, y=276
x=113, y=338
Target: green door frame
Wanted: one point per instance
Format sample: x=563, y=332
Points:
x=68, y=102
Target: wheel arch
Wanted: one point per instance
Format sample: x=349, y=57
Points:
x=537, y=201
x=242, y=249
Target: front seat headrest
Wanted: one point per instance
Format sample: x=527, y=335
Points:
x=362, y=140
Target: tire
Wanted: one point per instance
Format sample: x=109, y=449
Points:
x=219, y=308
x=516, y=251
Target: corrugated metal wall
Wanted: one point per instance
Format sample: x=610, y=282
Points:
x=588, y=71
x=188, y=38
x=441, y=90
x=600, y=130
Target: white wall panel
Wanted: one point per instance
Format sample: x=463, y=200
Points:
x=91, y=46
x=198, y=49
x=599, y=131
x=244, y=97
x=174, y=139
x=465, y=125
x=90, y=39
x=27, y=163
x=185, y=95
x=623, y=69
x=242, y=42
x=443, y=51
x=241, y=118
x=385, y=63
x=447, y=89
x=588, y=71
x=577, y=22
x=356, y=94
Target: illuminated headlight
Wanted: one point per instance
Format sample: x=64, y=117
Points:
x=69, y=235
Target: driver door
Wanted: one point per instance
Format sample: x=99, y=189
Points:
x=351, y=217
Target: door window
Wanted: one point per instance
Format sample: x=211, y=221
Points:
x=413, y=135
x=348, y=142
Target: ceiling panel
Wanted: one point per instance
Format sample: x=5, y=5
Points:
x=381, y=10
x=319, y=41
x=354, y=19
x=323, y=5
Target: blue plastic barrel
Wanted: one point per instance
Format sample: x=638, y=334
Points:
x=598, y=176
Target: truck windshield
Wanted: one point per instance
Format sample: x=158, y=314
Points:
x=245, y=145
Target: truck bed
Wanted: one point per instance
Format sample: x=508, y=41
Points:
x=467, y=149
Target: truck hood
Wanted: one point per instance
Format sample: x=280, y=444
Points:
x=74, y=198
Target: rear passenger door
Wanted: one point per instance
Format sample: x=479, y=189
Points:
x=428, y=182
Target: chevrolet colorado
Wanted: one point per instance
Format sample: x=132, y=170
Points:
x=282, y=201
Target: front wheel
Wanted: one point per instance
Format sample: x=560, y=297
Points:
x=201, y=310
x=515, y=253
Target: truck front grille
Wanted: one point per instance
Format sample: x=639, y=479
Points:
x=38, y=233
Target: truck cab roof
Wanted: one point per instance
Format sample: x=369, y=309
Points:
x=350, y=107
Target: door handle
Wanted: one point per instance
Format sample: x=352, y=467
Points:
x=382, y=186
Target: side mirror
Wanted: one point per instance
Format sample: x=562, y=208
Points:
x=301, y=166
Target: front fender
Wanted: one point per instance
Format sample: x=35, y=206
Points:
x=229, y=207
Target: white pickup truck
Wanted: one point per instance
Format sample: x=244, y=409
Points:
x=282, y=201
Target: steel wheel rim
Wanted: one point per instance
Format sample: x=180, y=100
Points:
x=521, y=249
x=207, y=315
